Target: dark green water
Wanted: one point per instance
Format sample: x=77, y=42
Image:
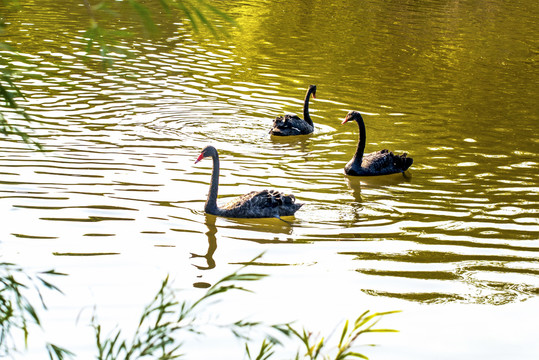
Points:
x=453, y=84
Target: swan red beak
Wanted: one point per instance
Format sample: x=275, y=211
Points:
x=346, y=119
x=200, y=157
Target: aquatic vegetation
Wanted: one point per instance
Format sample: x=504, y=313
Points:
x=316, y=347
x=108, y=43
x=164, y=321
x=9, y=92
x=159, y=331
x=18, y=312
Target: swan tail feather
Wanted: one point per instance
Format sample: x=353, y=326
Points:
x=404, y=161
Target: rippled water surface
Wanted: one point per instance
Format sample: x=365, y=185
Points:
x=454, y=243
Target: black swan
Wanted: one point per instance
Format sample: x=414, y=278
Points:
x=382, y=162
x=289, y=125
x=256, y=204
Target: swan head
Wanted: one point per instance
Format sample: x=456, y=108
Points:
x=312, y=89
x=208, y=151
x=352, y=115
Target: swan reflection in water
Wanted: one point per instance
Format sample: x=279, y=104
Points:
x=355, y=183
x=273, y=225
x=212, y=244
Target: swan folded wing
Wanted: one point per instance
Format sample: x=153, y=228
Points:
x=265, y=203
x=385, y=162
x=285, y=121
x=290, y=125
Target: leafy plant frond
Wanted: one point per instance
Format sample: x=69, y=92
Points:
x=145, y=15
x=9, y=91
x=17, y=312
x=315, y=347
x=264, y=353
x=161, y=323
x=56, y=352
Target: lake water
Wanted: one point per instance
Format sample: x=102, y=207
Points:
x=116, y=201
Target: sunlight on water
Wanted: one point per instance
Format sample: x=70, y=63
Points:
x=116, y=200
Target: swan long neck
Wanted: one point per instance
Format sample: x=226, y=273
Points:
x=306, y=115
x=211, y=203
x=358, y=157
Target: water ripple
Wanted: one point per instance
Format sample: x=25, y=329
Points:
x=120, y=150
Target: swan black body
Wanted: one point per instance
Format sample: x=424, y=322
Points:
x=382, y=162
x=256, y=204
x=290, y=125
